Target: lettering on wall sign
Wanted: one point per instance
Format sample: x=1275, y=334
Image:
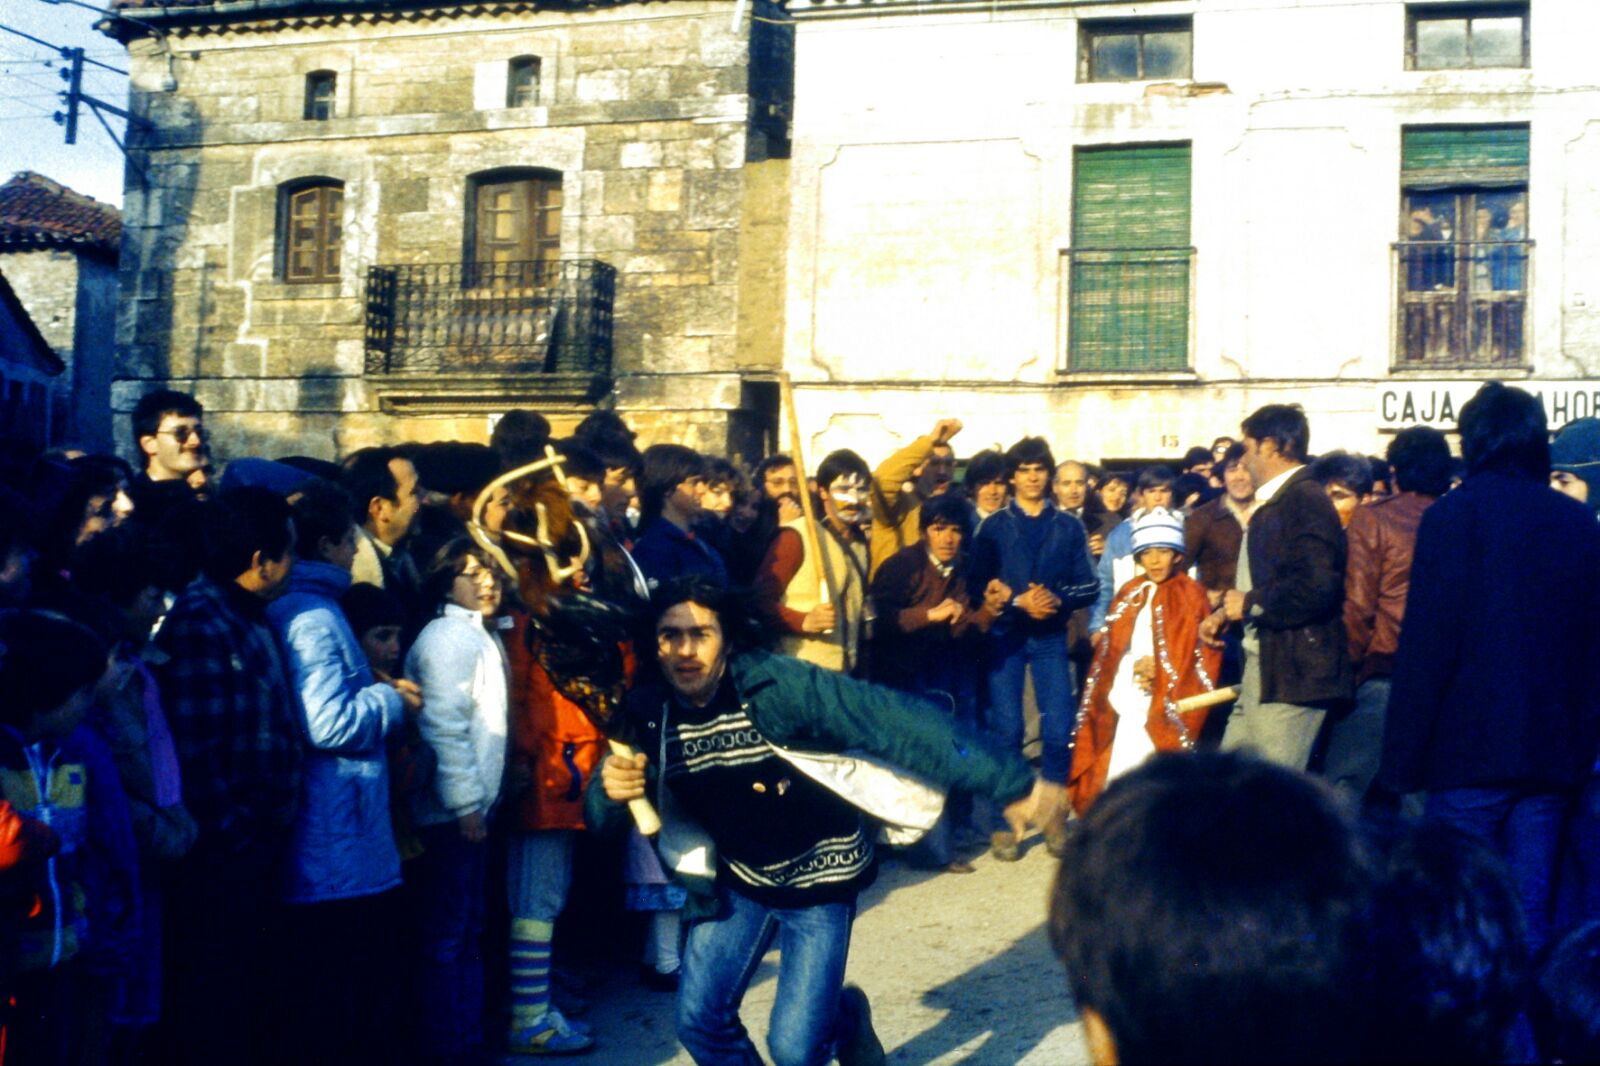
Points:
x=1438, y=403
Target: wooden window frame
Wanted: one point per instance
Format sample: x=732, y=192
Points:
x=326, y=235
x=474, y=213
x=315, y=100
x=1089, y=29
x=519, y=64
x=1416, y=13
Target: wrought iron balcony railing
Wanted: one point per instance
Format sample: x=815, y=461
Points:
x=1128, y=308
x=1462, y=303
x=549, y=317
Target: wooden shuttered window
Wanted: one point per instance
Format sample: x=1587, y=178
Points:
x=1440, y=157
x=313, y=230
x=518, y=220
x=1130, y=259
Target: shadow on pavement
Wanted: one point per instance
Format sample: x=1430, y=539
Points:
x=1017, y=998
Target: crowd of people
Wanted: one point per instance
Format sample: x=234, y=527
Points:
x=297, y=757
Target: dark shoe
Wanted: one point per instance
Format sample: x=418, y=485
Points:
x=858, y=1045
x=1003, y=846
x=653, y=978
x=959, y=867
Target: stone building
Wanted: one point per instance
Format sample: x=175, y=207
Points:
x=1125, y=225
x=368, y=221
x=29, y=371
x=58, y=250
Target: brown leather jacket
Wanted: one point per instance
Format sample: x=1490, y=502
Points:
x=1212, y=536
x=1377, y=577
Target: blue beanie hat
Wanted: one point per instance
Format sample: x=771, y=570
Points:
x=1576, y=450
x=1157, y=528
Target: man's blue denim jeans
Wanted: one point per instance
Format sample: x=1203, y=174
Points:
x=1524, y=827
x=1010, y=657
x=449, y=890
x=720, y=957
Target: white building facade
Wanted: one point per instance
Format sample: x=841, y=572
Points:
x=1124, y=226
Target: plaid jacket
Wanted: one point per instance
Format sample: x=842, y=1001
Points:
x=231, y=709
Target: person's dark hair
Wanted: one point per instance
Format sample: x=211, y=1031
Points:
x=1420, y=456
x=1029, y=450
x=121, y=563
x=48, y=657
x=1448, y=950
x=1284, y=425
x=1188, y=485
x=368, y=606
x=947, y=509
x=1230, y=441
x=772, y=462
x=1155, y=477
x=62, y=491
x=1209, y=908
x=1503, y=429
x=239, y=523
x=838, y=464
x=365, y=475
x=1564, y=1005
x=1196, y=455
x=441, y=567
x=580, y=460
x=454, y=467
x=322, y=509
x=742, y=629
x=519, y=438
x=154, y=406
x=1382, y=476
x=720, y=471
x=665, y=467
x=983, y=469
x=1232, y=457
x=315, y=467
x=1342, y=468
x=608, y=436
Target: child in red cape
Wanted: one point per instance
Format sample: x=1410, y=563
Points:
x=1147, y=657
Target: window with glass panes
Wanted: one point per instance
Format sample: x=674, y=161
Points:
x=1136, y=51
x=1451, y=37
x=320, y=88
x=1463, y=257
x=312, y=231
x=522, y=81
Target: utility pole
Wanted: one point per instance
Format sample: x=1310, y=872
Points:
x=73, y=76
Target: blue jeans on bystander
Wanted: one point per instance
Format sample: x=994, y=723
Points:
x=1011, y=656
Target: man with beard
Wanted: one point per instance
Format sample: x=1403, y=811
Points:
x=820, y=604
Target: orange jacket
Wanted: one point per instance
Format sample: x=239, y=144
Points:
x=1184, y=667
x=554, y=746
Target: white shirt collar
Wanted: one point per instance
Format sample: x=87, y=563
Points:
x=1266, y=492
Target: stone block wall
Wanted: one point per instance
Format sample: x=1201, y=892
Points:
x=72, y=300
x=642, y=108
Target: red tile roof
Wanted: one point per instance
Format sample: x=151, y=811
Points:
x=36, y=212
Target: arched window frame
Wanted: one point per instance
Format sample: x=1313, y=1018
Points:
x=523, y=75
x=310, y=231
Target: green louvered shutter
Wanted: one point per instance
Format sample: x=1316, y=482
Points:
x=1129, y=296
x=1436, y=157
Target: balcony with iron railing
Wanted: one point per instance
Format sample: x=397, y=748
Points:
x=1462, y=304
x=1128, y=309
x=550, y=318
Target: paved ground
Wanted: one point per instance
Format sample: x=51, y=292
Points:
x=958, y=968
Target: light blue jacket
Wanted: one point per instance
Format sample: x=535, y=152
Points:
x=343, y=843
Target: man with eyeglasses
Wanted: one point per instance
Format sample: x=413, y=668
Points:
x=169, y=435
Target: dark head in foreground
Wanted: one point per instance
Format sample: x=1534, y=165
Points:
x=1210, y=908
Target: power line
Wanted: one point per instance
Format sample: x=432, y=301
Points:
x=64, y=52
